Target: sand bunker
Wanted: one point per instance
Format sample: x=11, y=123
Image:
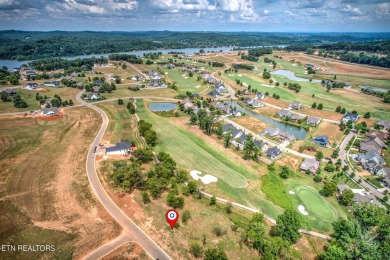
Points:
x=166, y=73
x=291, y=192
x=302, y=210
x=197, y=86
x=239, y=75
x=207, y=179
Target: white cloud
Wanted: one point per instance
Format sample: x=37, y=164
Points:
x=182, y=5
x=92, y=7
x=266, y=11
x=382, y=10
x=352, y=10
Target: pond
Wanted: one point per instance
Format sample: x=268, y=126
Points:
x=290, y=75
x=298, y=132
x=375, y=88
x=160, y=106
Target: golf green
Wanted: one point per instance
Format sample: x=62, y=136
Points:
x=315, y=204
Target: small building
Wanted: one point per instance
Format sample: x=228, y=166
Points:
x=312, y=120
x=371, y=161
x=49, y=111
x=384, y=124
x=214, y=93
x=256, y=103
x=9, y=91
x=284, y=113
x=122, y=148
x=383, y=172
x=260, y=95
x=260, y=144
x=284, y=136
x=54, y=84
x=274, y=152
x=32, y=86
x=350, y=117
x=93, y=96
x=272, y=131
x=245, y=92
x=372, y=144
x=386, y=179
x=310, y=164
x=136, y=78
x=321, y=140
x=296, y=117
x=296, y=105
x=96, y=88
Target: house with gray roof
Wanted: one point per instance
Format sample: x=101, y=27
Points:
x=384, y=124
x=274, y=152
x=386, y=179
x=296, y=117
x=321, y=140
x=9, y=91
x=272, y=131
x=371, y=161
x=350, y=117
x=296, y=105
x=227, y=127
x=312, y=120
x=284, y=113
x=284, y=136
x=122, y=148
x=372, y=144
x=93, y=96
x=52, y=111
x=310, y=164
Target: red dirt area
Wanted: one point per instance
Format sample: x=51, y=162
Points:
x=50, y=118
x=276, y=102
x=337, y=67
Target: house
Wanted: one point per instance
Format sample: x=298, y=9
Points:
x=196, y=96
x=284, y=112
x=383, y=172
x=227, y=127
x=374, y=133
x=368, y=198
x=312, y=120
x=240, y=141
x=310, y=164
x=136, y=78
x=32, y=86
x=296, y=105
x=284, y=136
x=93, y=96
x=256, y=103
x=260, y=95
x=386, y=179
x=189, y=105
x=122, y=148
x=371, y=161
x=274, y=152
x=53, y=84
x=9, y=91
x=342, y=187
x=214, y=93
x=96, y=88
x=234, y=112
x=245, y=92
x=350, y=117
x=296, y=117
x=97, y=82
x=49, y=111
x=260, y=144
x=236, y=133
x=184, y=101
x=372, y=144
x=272, y=131
x=321, y=140
x=155, y=81
x=73, y=74
x=384, y=124
x=247, y=101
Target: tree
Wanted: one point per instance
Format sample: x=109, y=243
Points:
x=367, y=115
x=151, y=137
x=213, y=200
x=185, y=216
x=192, y=187
x=288, y=225
x=145, y=197
x=319, y=155
x=314, y=105
x=285, y=172
x=347, y=197
x=219, y=231
x=329, y=188
x=338, y=109
x=193, y=119
x=343, y=111
x=196, y=249
x=332, y=253
x=229, y=208
x=120, y=101
x=227, y=138
x=320, y=106
x=370, y=214
x=215, y=254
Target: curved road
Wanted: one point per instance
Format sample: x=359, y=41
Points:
x=131, y=232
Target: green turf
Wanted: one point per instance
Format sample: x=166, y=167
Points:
x=274, y=189
x=185, y=83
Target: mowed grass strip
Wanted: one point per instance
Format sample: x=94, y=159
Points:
x=275, y=191
x=192, y=152
x=186, y=83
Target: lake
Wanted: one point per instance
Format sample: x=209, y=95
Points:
x=290, y=75
x=298, y=132
x=375, y=88
x=14, y=63
x=161, y=106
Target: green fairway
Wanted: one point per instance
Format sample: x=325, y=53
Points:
x=185, y=82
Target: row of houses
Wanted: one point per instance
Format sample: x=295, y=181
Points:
x=220, y=90
x=360, y=195
x=281, y=135
x=310, y=120
x=240, y=137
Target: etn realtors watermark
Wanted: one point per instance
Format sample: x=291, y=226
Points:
x=27, y=248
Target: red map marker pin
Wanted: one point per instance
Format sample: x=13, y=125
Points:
x=172, y=216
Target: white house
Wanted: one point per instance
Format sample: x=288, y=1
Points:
x=49, y=111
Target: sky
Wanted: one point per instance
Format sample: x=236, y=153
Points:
x=197, y=15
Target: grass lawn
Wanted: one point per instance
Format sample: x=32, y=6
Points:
x=235, y=182
x=122, y=92
x=185, y=82
x=122, y=126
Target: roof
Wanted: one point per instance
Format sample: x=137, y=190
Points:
x=273, y=151
x=350, y=116
x=313, y=120
x=272, y=131
x=310, y=164
x=284, y=112
x=297, y=117
x=287, y=136
x=375, y=133
x=227, y=127
x=46, y=111
x=343, y=187
x=119, y=146
x=259, y=143
x=321, y=138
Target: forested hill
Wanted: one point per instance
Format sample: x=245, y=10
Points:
x=23, y=45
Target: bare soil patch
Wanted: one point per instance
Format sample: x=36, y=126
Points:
x=292, y=162
x=251, y=123
x=331, y=130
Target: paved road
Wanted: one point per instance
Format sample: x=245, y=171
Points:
x=343, y=155
x=131, y=232
x=308, y=232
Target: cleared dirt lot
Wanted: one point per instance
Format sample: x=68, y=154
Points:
x=335, y=67
x=43, y=179
x=331, y=130
x=251, y=123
